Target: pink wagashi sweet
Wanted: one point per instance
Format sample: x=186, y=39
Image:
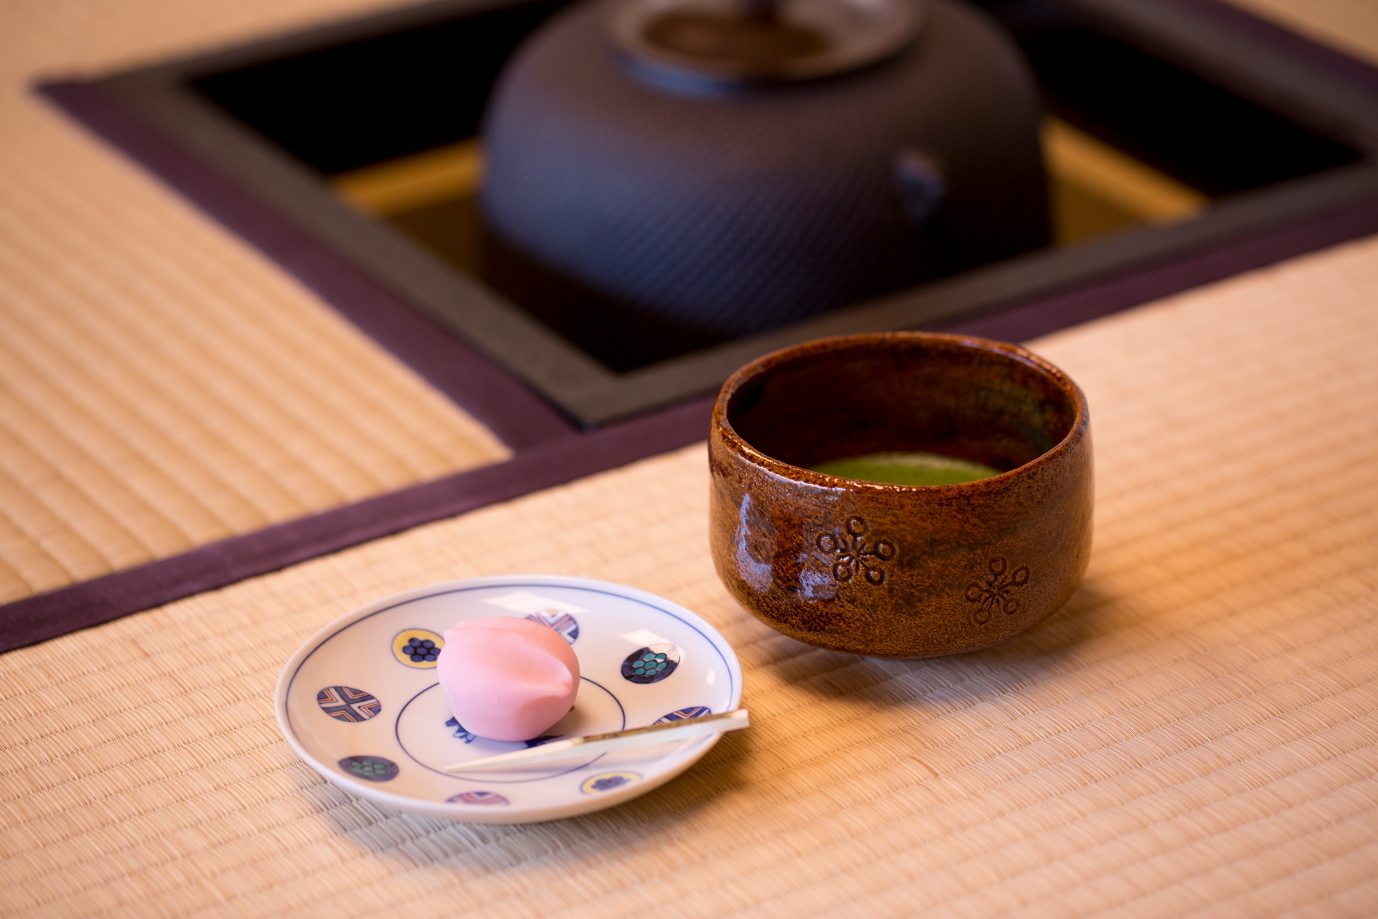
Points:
x=507, y=678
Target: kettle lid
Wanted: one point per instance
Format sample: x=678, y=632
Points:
x=722, y=45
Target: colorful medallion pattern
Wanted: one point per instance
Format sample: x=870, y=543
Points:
x=363, y=707
x=652, y=664
x=679, y=714
x=347, y=704
x=563, y=623
x=854, y=551
x=417, y=648
x=996, y=592
x=608, y=781
x=369, y=768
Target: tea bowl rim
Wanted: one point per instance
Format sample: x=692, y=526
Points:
x=720, y=424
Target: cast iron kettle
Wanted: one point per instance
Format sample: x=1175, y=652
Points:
x=704, y=169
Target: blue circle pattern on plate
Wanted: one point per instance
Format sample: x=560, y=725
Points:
x=680, y=714
x=369, y=768
x=347, y=704
x=381, y=769
x=563, y=623
x=477, y=797
x=651, y=665
x=417, y=648
x=421, y=649
x=608, y=781
x=442, y=593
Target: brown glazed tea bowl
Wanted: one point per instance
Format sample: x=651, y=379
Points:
x=900, y=570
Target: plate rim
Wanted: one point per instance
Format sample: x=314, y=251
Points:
x=460, y=812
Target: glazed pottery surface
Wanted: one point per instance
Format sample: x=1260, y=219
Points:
x=897, y=570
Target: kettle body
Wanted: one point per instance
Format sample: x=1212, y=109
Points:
x=720, y=214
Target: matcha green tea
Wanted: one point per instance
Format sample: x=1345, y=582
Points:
x=907, y=468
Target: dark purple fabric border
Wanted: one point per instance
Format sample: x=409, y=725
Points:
x=109, y=597
x=1348, y=68
x=548, y=451
x=515, y=414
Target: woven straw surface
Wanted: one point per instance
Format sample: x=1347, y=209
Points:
x=1196, y=733
x=1349, y=25
x=162, y=385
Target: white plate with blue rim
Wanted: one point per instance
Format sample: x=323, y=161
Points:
x=360, y=702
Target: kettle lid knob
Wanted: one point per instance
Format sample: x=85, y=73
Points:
x=721, y=45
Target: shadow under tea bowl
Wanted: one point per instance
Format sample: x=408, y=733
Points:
x=887, y=570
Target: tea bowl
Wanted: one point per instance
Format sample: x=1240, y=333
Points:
x=906, y=571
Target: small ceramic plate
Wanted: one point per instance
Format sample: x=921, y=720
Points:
x=360, y=701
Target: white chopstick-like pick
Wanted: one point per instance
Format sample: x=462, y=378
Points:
x=606, y=743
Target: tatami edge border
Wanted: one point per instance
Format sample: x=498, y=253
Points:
x=219, y=564
x=548, y=451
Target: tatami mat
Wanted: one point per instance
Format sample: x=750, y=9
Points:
x=163, y=386
x=1349, y=25
x=1196, y=733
